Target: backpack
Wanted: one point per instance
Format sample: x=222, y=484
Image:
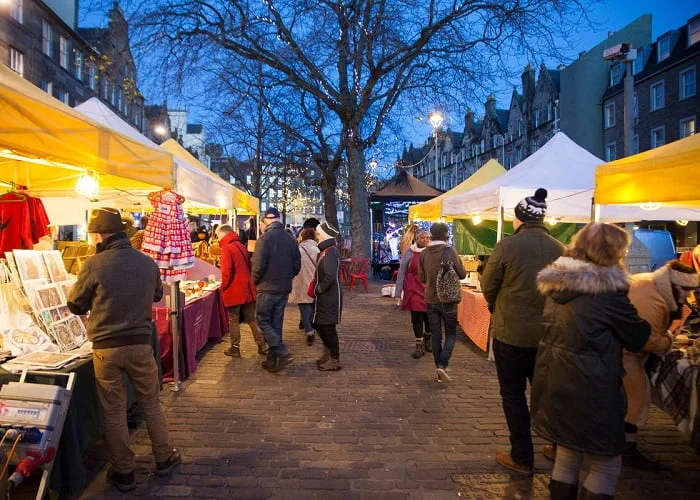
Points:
x=448, y=286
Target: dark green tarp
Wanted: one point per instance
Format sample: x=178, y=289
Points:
x=473, y=239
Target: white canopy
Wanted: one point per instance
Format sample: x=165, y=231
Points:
x=566, y=171
x=199, y=188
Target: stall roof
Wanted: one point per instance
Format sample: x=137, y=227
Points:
x=667, y=174
x=46, y=145
x=432, y=209
x=404, y=187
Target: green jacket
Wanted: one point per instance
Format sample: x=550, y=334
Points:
x=509, y=287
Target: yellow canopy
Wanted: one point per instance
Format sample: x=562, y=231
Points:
x=432, y=209
x=665, y=175
x=46, y=145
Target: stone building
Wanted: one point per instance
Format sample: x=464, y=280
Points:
x=666, y=100
x=42, y=42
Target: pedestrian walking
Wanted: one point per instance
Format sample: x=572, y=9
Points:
x=659, y=298
x=275, y=263
x=237, y=290
x=411, y=293
x=509, y=287
x=578, y=400
x=300, y=285
x=433, y=260
x=328, y=306
x=118, y=286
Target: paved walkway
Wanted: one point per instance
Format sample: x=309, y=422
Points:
x=381, y=428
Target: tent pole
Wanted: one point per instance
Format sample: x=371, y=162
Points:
x=175, y=330
x=595, y=211
x=499, y=227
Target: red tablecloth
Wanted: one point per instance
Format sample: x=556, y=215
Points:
x=474, y=317
x=202, y=319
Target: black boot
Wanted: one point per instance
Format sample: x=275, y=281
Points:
x=588, y=495
x=632, y=458
x=428, y=342
x=559, y=490
x=419, y=352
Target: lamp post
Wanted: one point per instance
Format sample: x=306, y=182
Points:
x=436, y=120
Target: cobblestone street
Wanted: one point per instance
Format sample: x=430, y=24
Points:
x=381, y=428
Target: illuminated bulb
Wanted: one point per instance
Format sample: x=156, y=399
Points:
x=87, y=185
x=682, y=222
x=476, y=220
x=551, y=221
x=160, y=130
x=650, y=205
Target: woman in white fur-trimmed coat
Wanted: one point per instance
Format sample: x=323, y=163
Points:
x=578, y=400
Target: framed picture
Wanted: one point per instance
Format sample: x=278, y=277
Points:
x=62, y=333
x=49, y=296
x=77, y=330
x=54, y=264
x=65, y=287
x=30, y=265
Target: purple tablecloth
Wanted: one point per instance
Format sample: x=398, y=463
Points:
x=203, y=319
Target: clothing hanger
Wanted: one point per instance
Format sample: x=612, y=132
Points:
x=20, y=197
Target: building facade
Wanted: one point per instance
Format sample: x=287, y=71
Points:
x=73, y=64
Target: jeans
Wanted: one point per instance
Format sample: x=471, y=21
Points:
x=234, y=327
x=515, y=366
x=269, y=311
x=602, y=475
x=135, y=361
x=439, y=313
x=306, y=311
x=418, y=319
x=329, y=336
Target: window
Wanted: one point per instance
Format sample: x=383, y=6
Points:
x=638, y=64
x=47, y=86
x=46, y=47
x=520, y=127
x=481, y=146
x=687, y=127
x=63, y=97
x=16, y=9
x=610, y=114
x=79, y=65
x=657, y=96
x=63, y=51
x=611, y=152
x=17, y=61
x=550, y=111
x=92, y=77
x=494, y=139
x=686, y=80
x=537, y=118
x=663, y=47
x=694, y=32
x=635, y=144
x=614, y=73
x=658, y=137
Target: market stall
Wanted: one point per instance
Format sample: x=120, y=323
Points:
x=663, y=181
x=389, y=214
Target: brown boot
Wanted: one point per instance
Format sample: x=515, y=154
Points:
x=324, y=357
x=332, y=365
x=420, y=350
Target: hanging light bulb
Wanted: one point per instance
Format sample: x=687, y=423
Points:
x=551, y=221
x=650, y=205
x=88, y=185
x=682, y=223
x=476, y=220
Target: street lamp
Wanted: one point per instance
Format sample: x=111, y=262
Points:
x=436, y=120
x=160, y=130
x=624, y=53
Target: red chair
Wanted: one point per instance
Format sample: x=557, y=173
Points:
x=357, y=270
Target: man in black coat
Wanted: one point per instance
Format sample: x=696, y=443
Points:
x=275, y=263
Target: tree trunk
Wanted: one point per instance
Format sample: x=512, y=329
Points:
x=359, y=205
x=329, y=183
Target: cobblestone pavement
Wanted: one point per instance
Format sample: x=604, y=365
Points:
x=381, y=428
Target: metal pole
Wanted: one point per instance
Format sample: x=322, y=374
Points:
x=175, y=330
x=499, y=227
x=437, y=161
x=628, y=108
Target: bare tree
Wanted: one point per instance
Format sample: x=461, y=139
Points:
x=359, y=57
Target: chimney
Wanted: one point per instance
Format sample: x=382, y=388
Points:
x=491, y=105
x=469, y=120
x=528, y=79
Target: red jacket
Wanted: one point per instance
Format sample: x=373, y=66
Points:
x=236, y=284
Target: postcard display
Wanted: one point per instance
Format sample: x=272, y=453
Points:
x=46, y=285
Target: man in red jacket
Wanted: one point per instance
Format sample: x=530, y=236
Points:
x=237, y=290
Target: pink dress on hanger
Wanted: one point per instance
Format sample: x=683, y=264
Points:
x=166, y=238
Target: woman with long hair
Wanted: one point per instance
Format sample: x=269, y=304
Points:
x=300, y=286
x=578, y=400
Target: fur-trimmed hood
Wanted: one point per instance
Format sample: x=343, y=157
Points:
x=567, y=278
